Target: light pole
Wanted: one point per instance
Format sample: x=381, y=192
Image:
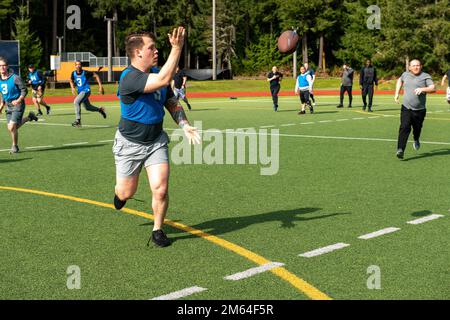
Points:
x=60, y=45
x=214, y=62
x=109, y=42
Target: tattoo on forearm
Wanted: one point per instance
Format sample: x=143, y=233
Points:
x=177, y=112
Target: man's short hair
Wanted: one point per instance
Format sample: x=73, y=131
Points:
x=4, y=60
x=135, y=41
x=420, y=63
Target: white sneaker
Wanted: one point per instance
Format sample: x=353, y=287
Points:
x=416, y=145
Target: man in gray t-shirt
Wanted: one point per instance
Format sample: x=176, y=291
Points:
x=416, y=84
x=346, y=85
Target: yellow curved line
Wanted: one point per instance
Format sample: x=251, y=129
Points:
x=281, y=272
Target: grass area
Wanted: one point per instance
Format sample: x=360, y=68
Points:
x=337, y=178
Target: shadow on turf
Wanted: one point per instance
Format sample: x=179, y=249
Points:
x=439, y=152
x=225, y=225
x=13, y=160
x=421, y=213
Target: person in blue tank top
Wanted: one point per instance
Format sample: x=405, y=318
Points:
x=303, y=86
x=140, y=141
x=12, y=95
x=37, y=81
x=80, y=78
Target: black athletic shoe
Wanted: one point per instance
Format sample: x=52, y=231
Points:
x=160, y=239
x=118, y=204
x=311, y=109
x=339, y=106
x=349, y=106
x=189, y=106
x=370, y=110
x=301, y=112
x=76, y=124
x=400, y=153
x=48, y=109
x=32, y=116
x=102, y=112
x=40, y=113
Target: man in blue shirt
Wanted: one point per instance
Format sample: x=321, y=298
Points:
x=37, y=81
x=12, y=94
x=140, y=140
x=81, y=78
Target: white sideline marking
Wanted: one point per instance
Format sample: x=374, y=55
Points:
x=271, y=126
x=106, y=140
x=307, y=122
x=180, y=293
x=39, y=147
x=69, y=125
x=251, y=272
x=75, y=143
x=288, y=124
x=426, y=219
x=325, y=121
x=374, y=117
x=2, y=150
x=378, y=233
x=324, y=250
x=341, y=119
x=358, y=118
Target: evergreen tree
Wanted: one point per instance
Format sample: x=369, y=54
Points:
x=30, y=45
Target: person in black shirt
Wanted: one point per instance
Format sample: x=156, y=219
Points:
x=274, y=77
x=179, y=86
x=367, y=79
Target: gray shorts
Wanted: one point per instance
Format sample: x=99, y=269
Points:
x=14, y=113
x=130, y=156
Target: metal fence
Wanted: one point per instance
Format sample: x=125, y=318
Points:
x=93, y=60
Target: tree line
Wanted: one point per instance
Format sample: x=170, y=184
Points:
x=331, y=31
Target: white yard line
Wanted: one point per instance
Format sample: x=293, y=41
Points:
x=180, y=294
x=378, y=233
x=253, y=271
x=323, y=250
x=426, y=219
x=39, y=147
x=75, y=143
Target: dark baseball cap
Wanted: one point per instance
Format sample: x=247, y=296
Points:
x=31, y=66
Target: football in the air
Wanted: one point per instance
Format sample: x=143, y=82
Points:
x=287, y=41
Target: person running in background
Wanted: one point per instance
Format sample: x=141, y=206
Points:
x=346, y=85
x=179, y=86
x=37, y=81
x=80, y=78
x=302, y=88
x=447, y=76
x=367, y=79
x=12, y=94
x=416, y=84
x=274, y=77
x=311, y=72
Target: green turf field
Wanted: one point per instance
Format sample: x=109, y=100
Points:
x=338, y=179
